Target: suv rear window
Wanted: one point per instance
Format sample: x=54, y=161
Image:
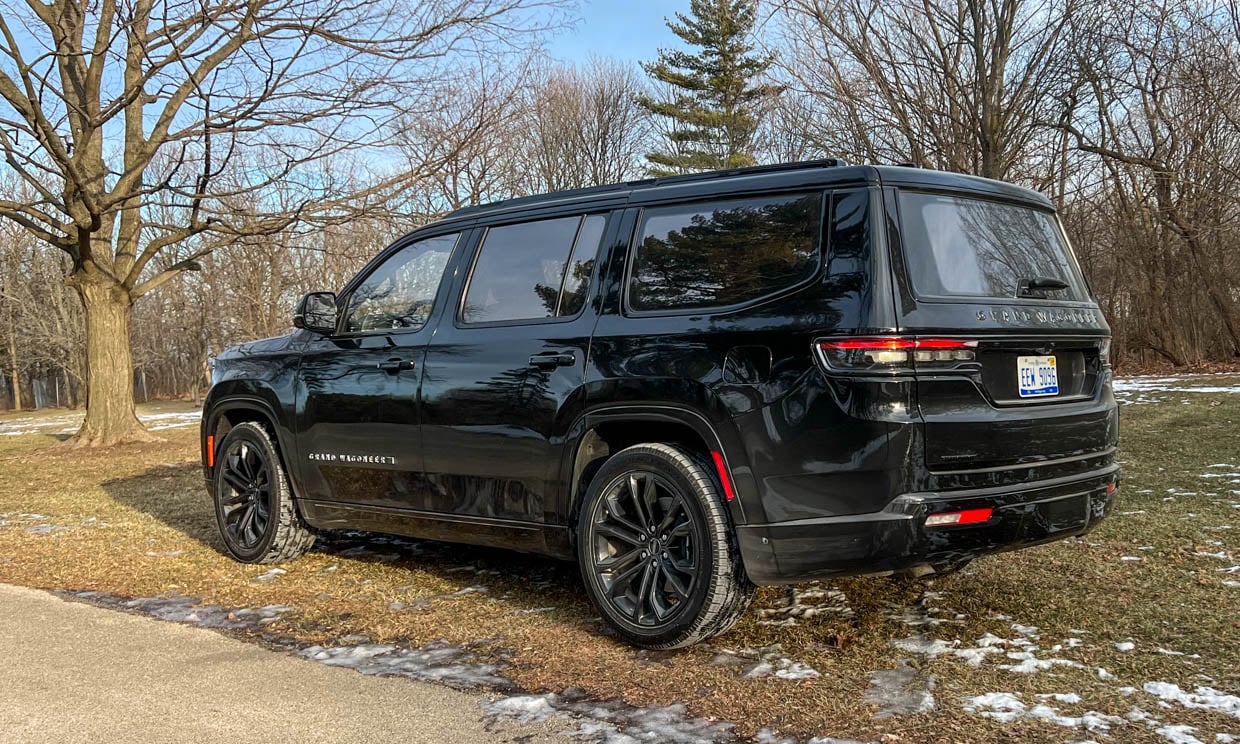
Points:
x=957, y=246
x=715, y=254
x=533, y=270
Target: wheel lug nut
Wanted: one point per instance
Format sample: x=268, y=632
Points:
x=641, y=537
x=665, y=554
x=643, y=554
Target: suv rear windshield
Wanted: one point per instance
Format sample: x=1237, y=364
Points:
x=961, y=247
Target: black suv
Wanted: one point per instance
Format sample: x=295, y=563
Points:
x=690, y=385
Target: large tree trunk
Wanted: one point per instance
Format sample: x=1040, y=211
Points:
x=110, y=417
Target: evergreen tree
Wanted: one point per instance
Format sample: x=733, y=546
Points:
x=713, y=101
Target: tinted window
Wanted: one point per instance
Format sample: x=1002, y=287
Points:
x=848, y=246
x=401, y=291
x=519, y=271
x=723, y=253
x=956, y=246
x=581, y=266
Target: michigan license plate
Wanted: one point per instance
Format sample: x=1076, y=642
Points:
x=1037, y=375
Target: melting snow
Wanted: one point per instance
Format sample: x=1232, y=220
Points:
x=1203, y=698
x=438, y=661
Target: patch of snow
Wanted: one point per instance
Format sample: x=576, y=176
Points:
x=1178, y=734
x=613, y=722
x=1125, y=646
x=901, y=691
x=266, y=577
x=438, y=662
x=1006, y=707
x=1202, y=698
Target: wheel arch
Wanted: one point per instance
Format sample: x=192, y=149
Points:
x=602, y=432
x=222, y=413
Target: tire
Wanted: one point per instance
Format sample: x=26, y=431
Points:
x=254, y=508
x=666, y=590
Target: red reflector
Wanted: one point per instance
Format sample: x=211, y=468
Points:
x=724, y=478
x=968, y=516
x=897, y=343
x=210, y=450
x=1111, y=488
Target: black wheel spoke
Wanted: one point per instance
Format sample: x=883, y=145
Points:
x=615, y=513
x=234, y=480
x=620, y=533
x=619, y=561
x=673, y=510
x=636, y=494
x=643, y=592
x=678, y=587
x=624, y=579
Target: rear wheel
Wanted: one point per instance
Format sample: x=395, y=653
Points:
x=253, y=502
x=656, y=549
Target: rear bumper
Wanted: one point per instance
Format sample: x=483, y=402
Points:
x=896, y=540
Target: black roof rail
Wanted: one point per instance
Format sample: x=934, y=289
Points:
x=649, y=183
x=752, y=170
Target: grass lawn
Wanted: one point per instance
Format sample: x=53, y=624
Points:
x=1077, y=635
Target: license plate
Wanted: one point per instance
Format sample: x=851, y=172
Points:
x=1037, y=375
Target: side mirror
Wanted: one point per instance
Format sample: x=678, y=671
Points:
x=316, y=312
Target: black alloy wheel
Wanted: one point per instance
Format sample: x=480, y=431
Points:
x=254, y=508
x=645, y=550
x=656, y=548
x=246, y=497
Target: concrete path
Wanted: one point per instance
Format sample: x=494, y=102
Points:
x=71, y=672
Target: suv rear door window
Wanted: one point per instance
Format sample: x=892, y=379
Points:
x=522, y=270
x=962, y=247
x=721, y=253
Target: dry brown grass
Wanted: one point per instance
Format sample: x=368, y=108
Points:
x=136, y=521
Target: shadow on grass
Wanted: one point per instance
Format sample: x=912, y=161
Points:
x=176, y=496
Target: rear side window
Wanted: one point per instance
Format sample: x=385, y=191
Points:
x=962, y=247
x=533, y=270
x=720, y=253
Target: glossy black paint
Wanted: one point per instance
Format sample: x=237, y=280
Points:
x=476, y=437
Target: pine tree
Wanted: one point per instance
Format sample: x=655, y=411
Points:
x=714, y=99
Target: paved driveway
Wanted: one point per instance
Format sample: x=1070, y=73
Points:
x=72, y=672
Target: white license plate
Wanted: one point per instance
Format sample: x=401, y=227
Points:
x=1037, y=375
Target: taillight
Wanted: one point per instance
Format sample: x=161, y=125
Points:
x=1104, y=352
x=895, y=353
x=968, y=516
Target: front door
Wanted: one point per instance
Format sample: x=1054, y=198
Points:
x=502, y=377
x=358, y=404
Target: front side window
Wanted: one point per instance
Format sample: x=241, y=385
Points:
x=959, y=246
x=715, y=254
x=533, y=270
x=399, y=294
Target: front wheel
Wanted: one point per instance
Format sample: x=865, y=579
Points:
x=254, y=506
x=656, y=549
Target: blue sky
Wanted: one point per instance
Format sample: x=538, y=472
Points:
x=627, y=30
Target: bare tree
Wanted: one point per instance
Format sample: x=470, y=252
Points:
x=1158, y=101
x=962, y=85
x=585, y=126
x=108, y=109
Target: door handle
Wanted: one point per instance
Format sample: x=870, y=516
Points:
x=553, y=359
x=395, y=365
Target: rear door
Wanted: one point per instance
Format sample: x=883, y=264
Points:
x=999, y=274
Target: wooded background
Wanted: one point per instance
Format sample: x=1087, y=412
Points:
x=1125, y=112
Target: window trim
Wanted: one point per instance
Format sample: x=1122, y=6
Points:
x=346, y=294
x=963, y=299
x=458, y=317
x=824, y=206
